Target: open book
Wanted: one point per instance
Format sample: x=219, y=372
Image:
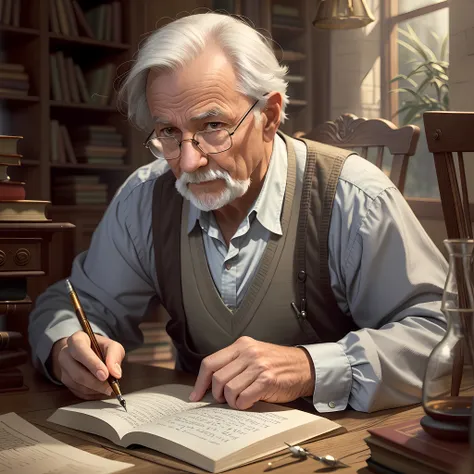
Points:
x=207, y=434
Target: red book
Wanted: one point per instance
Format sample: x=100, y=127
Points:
x=12, y=191
x=405, y=446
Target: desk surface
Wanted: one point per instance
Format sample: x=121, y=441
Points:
x=36, y=404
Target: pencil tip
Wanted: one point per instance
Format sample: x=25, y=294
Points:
x=69, y=286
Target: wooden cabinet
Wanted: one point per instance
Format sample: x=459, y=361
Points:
x=26, y=252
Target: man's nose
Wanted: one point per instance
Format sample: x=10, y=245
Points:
x=191, y=157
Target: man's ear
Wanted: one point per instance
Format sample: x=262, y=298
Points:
x=271, y=119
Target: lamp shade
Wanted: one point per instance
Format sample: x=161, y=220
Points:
x=342, y=14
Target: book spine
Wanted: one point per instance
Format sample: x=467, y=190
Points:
x=10, y=340
x=9, y=359
x=12, y=191
x=10, y=378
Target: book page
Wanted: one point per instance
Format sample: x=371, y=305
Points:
x=26, y=449
x=143, y=407
x=217, y=431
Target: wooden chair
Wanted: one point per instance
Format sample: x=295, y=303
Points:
x=354, y=133
x=448, y=134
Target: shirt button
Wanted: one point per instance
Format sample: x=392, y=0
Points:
x=332, y=405
x=228, y=266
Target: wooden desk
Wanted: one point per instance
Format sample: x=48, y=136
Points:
x=37, y=404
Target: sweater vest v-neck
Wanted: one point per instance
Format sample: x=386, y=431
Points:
x=289, y=302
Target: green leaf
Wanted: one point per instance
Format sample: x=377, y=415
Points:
x=418, y=70
x=410, y=48
x=403, y=77
x=435, y=36
x=419, y=43
x=424, y=84
x=415, y=45
x=413, y=116
x=444, y=77
x=444, y=48
x=436, y=66
x=408, y=91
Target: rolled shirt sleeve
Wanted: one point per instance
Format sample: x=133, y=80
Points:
x=387, y=275
x=112, y=278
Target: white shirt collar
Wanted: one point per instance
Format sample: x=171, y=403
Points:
x=269, y=203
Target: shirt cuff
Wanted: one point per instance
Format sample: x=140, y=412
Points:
x=333, y=376
x=60, y=330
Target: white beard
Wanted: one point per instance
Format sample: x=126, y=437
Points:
x=234, y=189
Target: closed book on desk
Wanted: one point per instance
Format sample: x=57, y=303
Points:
x=13, y=358
x=18, y=211
x=10, y=340
x=10, y=378
x=206, y=434
x=406, y=448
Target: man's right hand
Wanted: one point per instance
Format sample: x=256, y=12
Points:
x=77, y=366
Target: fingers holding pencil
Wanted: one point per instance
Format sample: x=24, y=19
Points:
x=77, y=366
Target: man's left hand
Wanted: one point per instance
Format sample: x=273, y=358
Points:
x=248, y=371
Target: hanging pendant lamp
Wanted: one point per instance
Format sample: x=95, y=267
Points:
x=342, y=14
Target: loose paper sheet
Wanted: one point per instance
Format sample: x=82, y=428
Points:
x=24, y=449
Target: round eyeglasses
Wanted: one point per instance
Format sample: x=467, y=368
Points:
x=208, y=142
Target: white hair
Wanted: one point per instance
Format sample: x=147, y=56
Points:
x=179, y=42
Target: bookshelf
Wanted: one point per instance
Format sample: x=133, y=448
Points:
x=37, y=32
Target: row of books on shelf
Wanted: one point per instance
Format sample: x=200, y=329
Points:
x=102, y=22
x=157, y=348
x=13, y=205
x=70, y=84
x=14, y=80
x=92, y=144
x=286, y=15
x=10, y=12
x=79, y=190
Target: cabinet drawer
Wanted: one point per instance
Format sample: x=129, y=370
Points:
x=20, y=255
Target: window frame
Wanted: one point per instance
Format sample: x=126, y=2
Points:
x=390, y=19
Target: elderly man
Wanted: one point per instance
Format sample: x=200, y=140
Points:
x=289, y=269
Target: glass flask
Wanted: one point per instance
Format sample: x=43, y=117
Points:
x=449, y=368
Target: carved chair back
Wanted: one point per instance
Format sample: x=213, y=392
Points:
x=359, y=134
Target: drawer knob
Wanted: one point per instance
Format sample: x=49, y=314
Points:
x=22, y=257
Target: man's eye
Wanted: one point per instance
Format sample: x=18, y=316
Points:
x=167, y=132
x=214, y=125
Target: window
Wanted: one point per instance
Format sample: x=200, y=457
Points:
x=415, y=36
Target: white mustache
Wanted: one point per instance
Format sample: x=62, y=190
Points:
x=203, y=176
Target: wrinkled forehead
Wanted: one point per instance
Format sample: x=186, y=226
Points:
x=194, y=92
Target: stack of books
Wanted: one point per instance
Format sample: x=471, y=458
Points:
x=13, y=79
x=12, y=355
x=406, y=448
x=13, y=206
x=79, y=190
x=98, y=144
x=157, y=348
x=286, y=15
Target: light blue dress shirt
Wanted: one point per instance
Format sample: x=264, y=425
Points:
x=385, y=273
